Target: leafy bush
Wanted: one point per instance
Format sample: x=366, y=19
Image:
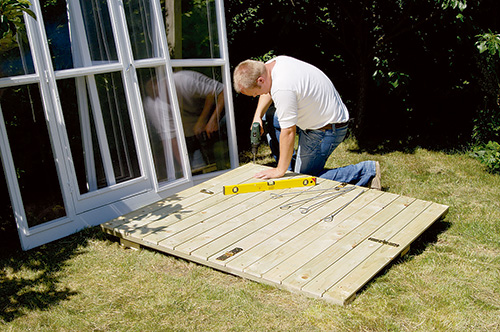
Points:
x=486, y=121
x=11, y=22
x=488, y=154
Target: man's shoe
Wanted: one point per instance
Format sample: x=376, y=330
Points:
x=375, y=182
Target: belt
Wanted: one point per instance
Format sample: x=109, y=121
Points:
x=330, y=126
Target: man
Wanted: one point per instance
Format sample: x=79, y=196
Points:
x=306, y=102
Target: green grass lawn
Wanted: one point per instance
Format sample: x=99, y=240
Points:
x=449, y=281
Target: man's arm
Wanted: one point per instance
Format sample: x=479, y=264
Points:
x=213, y=124
x=201, y=123
x=264, y=102
x=287, y=142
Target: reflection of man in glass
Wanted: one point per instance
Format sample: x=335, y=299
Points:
x=162, y=130
x=201, y=100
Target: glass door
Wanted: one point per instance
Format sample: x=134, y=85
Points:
x=98, y=97
x=73, y=127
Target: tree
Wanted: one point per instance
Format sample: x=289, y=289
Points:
x=406, y=68
x=11, y=22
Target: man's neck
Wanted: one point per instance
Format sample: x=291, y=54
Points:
x=269, y=70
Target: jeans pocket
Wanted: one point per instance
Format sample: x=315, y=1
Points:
x=310, y=141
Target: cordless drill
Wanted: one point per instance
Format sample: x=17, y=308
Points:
x=255, y=138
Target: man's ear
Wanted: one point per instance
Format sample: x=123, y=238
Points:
x=260, y=80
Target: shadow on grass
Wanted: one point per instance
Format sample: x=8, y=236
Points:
x=30, y=280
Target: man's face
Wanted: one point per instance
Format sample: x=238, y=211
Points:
x=254, y=92
x=262, y=88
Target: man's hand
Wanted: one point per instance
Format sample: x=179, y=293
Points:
x=287, y=139
x=212, y=126
x=267, y=174
x=259, y=121
x=199, y=127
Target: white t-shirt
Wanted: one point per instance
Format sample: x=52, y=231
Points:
x=304, y=96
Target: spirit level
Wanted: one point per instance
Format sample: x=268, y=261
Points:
x=269, y=185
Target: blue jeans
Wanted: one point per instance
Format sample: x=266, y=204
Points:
x=315, y=146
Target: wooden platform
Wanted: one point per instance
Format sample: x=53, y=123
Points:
x=254, y=236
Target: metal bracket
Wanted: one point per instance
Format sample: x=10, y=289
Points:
x=383, y=242
x=206, y=191
x=228, y=254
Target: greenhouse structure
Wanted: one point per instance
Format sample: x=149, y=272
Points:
x=109, y=105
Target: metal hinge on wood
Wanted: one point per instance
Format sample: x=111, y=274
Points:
x=228, y=254
x=392, y=244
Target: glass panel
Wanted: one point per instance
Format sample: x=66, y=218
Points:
x=82, y=135
x=118, y=126
x=17, y=60
x=99, y=33
x=9, y=240
x=160, y=122
x=69, y=44
x=141, y=28
x=201, y=101
x=32, y=153
x=80, y=115
x=191, y=29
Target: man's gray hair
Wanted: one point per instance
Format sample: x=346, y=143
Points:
x=247, y=73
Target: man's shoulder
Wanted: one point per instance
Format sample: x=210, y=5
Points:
x=284, y=58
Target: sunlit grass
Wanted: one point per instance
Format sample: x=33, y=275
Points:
x=449, y=281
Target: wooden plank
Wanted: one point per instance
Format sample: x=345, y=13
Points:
x=204, y=216
x=296, y=244
x=346, y=234
x=251, y=206
x=175, y=233
x=262, y=227
x=326, y=240
x=249, y=261
x=129, y=244
x=253, y=221
x=360, y=250
x=242, y=208
x=172, y=204
x=345, y=290
x=241, y=225
x=196, y=203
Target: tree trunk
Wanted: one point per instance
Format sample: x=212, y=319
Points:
x=361, y=100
